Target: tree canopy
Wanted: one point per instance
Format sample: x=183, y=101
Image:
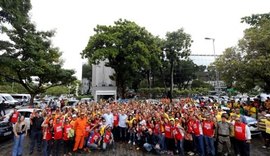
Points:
x=128, y=49
x=27, y=55
x=247, y=65
x=176, y=46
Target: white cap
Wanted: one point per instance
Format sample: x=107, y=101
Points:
x=74, y=115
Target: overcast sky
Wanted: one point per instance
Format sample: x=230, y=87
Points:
x=74, y=21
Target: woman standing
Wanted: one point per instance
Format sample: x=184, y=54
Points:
x=47, y=136
x=20, y=131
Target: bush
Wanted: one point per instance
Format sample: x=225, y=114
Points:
x=160, y=92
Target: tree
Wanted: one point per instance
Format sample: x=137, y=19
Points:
x=185, y=72
x=87, y=71
x=176, y=46
x=128, y=49
x=247, y=65
x=27, y=56
x=201, y=84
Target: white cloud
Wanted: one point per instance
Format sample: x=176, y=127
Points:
x=74, y=21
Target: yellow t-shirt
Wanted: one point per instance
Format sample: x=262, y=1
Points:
x=252, y=111
x=267, y=125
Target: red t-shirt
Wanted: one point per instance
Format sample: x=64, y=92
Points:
x=87, y=130
x=115, y=120
x=14, y=117
x=94, y=138
x=107, y=137
x=208, y=128
x=65, y=133
x=48, y=134
x=168, y=131
x=177, y=134
x=157, y=129
x=58, y=131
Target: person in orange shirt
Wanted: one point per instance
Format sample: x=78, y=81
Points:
x=79, y=127
x=72, y=122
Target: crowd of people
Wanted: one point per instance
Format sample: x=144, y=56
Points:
x=183, y=128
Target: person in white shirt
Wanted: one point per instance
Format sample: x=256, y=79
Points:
x=108, y=116
x=123, y=125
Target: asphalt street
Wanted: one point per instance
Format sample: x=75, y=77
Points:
x=121, y=149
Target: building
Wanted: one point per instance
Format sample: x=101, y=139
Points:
x=85, y=86
x=102, y=85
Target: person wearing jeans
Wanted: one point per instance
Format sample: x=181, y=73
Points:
x=208, y=133
x=20, y=131
x=47, y=137
x=36, y=131
x=123, y=125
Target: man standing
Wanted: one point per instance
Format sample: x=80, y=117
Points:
x=79, y=128
x=243, y=136
x=208, y=133
x=223, y=129
x=123, y=125
x=108, y=116
x=36, y=131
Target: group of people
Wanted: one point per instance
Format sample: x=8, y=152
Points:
x=181, y=128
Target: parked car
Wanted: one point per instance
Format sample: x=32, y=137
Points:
x=72, y=103
x=252, y=124
x=11, y=101
x=23, y=99
x=6, y=129
x=88, y=100
x=5, y=101
x=26, y=112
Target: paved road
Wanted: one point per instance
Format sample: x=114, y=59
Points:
x=121, y=150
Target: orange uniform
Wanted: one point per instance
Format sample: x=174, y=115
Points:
x=79, y=127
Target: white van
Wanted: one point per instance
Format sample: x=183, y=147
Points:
x=22, y=98
x=11, y=101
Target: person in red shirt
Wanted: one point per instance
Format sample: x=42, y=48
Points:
x=169, y=140
x=14, y=116
x=94, y=140
x=67, y=141
x=58, y=135
x=47, y=136
x=243, y=136
x=198, y=135
x=115, y=129
x=108, y=139
x=178, y=133
x=208, y=127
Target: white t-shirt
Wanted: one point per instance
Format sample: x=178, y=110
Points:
x=122, y=120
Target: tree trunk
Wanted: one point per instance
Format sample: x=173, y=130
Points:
x=163, y=79
x=171, y=85
x=32, y=99
x=148, y=79
x=123, y=90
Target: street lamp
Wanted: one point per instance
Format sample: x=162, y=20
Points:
x=217, y=78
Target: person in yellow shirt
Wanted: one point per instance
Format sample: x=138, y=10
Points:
x=253, y=111
x=267, y=130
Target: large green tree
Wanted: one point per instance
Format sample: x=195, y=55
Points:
x=176, y=46
x=247, y=65
x=27, y=55
x=128, y=49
